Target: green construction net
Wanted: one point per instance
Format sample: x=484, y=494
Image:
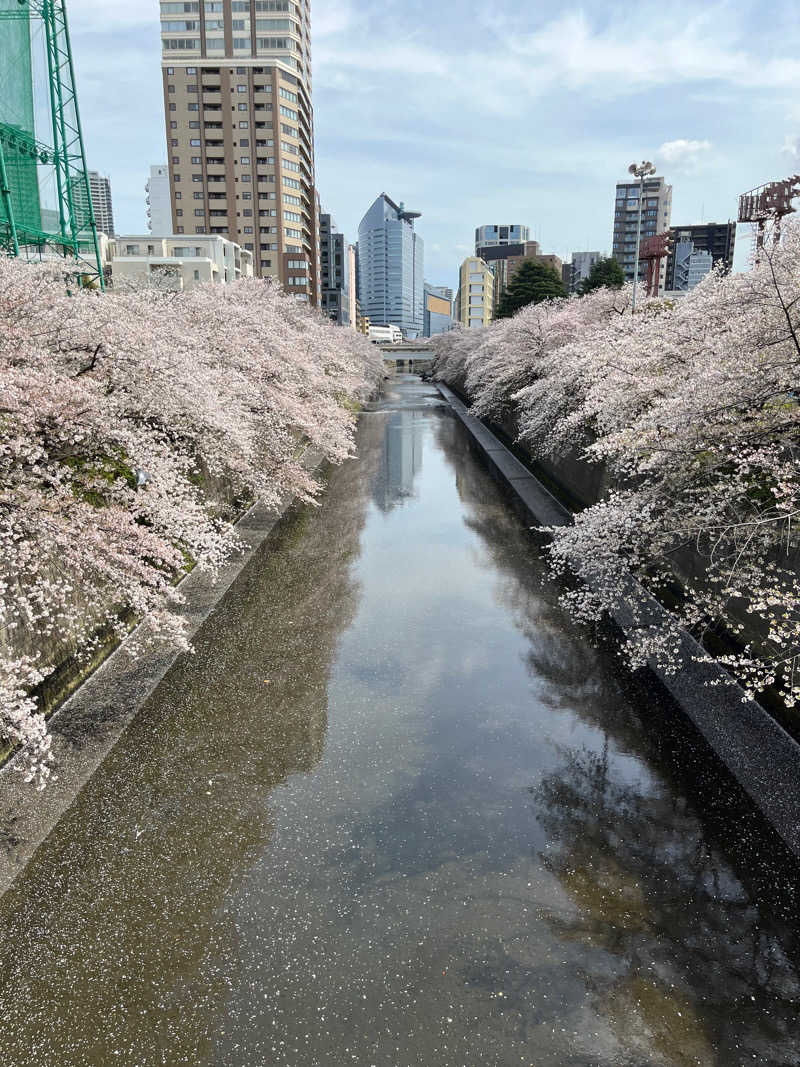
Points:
x=17, y=126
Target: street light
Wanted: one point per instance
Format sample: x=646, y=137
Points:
x=641, y=171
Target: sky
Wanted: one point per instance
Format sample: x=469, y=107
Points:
x=508, y=112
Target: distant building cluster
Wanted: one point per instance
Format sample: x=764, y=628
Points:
x=240, y=170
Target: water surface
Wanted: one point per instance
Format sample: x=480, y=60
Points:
x=396, y=810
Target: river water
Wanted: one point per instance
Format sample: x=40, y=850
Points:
x=397, y=811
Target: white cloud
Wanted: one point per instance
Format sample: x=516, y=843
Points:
x=682, y=153
x=791, y=146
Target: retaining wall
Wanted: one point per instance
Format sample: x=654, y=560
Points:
x=763, y=758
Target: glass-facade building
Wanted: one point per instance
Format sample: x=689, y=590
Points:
x=438, y=310
x=390, y=267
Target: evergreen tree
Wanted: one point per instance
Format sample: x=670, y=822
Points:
x=605, y=272
x=532, y=283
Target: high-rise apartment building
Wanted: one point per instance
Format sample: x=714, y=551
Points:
x=475, y=296
x=716, y=239
x=100, y=192
x=240, y=130
x=159, y=202
x=656, y=213
x=390, y=267
x=335, y=272
x=495, y=236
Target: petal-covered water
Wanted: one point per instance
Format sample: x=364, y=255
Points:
x=397, y=811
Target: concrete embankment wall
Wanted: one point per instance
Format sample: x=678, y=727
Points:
x=63, y=649
x=87, y=726
x=762, y=757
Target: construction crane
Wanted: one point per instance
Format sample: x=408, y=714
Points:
x=41, y=143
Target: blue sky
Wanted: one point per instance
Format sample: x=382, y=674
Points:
x=501, y=112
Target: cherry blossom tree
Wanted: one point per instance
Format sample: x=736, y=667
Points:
x=134, y=428
x=692, y=408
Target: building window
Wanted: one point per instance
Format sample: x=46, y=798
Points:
x=197, y=275
x=195, y=142
x=179, y=211
x=241, y=88
x=245, y=125
x=243, y=107
x=170, y=88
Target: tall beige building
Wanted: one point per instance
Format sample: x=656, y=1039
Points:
x=474, y=303
x=240, y=131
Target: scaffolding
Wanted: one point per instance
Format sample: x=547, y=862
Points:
x=45, y=201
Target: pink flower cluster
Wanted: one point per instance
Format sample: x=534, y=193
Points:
x=692, y=407
x=133, y=428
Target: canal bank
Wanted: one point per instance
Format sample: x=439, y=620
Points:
x=760, y=754
x=89, y=723
x=396, y=811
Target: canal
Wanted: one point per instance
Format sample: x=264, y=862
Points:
x=398, y=811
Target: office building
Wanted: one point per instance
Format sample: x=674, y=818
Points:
x=497, y=257
x=438, y=310
x=497, y=236
x=240, y=131
x=716, y=239
x=158, y=200
x=334, y=272
x=505, y=261
x=475, y=297
x=513, y=263
x=100, y=193
x=579, y=269
x=390, y=267
x=177, y=262
x=352, y=306
x=656, y=214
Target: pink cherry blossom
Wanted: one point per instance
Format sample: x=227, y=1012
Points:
x=134, y=428
x=691, y=406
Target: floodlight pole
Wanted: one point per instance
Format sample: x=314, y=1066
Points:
x=640, y=171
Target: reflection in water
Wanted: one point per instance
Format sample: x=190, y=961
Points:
x=401, y=458
x=117, y=946
x=398, y=812
x=696, y=918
